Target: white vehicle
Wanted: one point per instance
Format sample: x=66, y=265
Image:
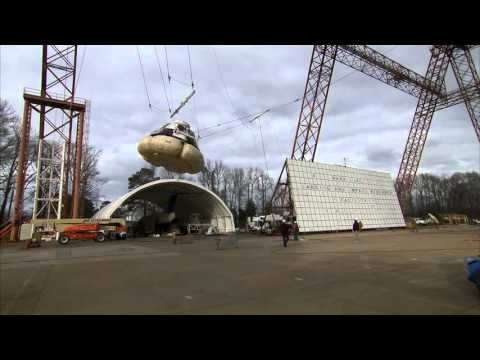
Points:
x=212, y=230
x=428, y=221
x=433, y=219
x=255, y=223
x=272, y=223
x=420, y=222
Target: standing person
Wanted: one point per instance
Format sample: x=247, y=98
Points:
x=36, y=240
x=356, y=228
x=414, y=225
x=284, y=229
x=296, y=230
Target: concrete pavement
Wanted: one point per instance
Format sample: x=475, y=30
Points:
x=386, y=272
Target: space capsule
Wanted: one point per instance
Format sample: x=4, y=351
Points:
x=174, y=147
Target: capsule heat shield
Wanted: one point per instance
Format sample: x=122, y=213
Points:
x=171, y=153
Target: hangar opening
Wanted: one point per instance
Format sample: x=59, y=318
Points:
x=170, y=205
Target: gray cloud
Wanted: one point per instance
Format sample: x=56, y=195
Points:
x=378, y=155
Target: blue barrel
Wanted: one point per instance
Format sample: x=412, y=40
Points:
x=472, y=267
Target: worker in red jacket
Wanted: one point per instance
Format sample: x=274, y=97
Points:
x=284, y=230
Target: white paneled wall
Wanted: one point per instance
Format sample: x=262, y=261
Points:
x=329, y=197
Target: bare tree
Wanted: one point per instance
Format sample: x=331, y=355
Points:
x=9, y=143
x=91, y=183
x=166, y=174
x=441, y=194
x=90, y=179
x=9, y=148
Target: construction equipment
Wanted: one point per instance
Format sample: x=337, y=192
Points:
x=82, y=231
x=62, y=229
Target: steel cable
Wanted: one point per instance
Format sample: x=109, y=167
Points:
x=144, y=79
x=163, y=80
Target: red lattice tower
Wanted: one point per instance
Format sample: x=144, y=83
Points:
x=56, y=96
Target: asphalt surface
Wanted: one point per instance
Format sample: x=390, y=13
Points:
x=385, y=272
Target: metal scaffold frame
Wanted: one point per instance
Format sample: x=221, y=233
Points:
x=469, y=82
x=314, y=101
x=58, y=110
x=49, y=180
x=422, y=120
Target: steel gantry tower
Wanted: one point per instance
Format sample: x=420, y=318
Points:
x=429, y=89
x=61, y=119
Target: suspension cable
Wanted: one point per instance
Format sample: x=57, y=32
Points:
x=277, y=106
x=193, y=87
x=81, y=65
x=144, y=79
x=168, y=67
x=263, y=146
x=222, y=79
x=169, y=76
x=180, y=82
x=254, y=115
x=190, y=65
x=221, y=131
x=163, y=80
x=233, y=127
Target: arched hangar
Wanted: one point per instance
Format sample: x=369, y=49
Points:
x=187, y=201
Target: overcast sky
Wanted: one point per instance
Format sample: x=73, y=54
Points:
x=365, y=122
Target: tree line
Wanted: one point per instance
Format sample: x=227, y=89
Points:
x=246, y=191
x=458, y=193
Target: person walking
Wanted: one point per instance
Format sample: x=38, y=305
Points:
x=356, y=228
x=296, y=231
x=284, y=229
x=36, y=240
x=413, y=225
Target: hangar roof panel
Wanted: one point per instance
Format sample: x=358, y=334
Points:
x=198, y=198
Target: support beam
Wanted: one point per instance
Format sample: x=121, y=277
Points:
x=467, y=78
x=422, y=119
x=78, y=167
x=314, y=101
x=43, y=92
x=281, y=200
x=386, y=70
x=17, y=214
x=458, y=96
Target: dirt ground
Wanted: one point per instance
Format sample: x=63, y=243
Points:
x=385, y=272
